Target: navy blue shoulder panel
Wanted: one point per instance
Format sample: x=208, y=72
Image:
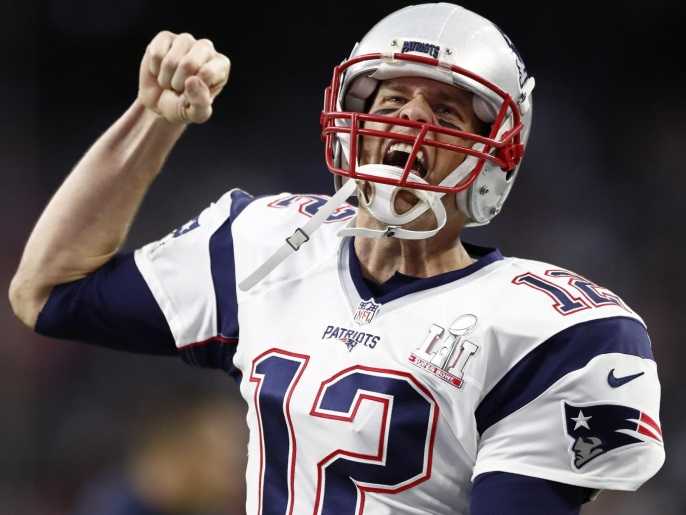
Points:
x=224, y=268
x=565, y=352
x=498, y=493
x=217, y=352
x=112, y=307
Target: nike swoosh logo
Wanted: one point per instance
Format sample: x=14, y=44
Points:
x=616, y=382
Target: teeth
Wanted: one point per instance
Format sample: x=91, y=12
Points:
x=405, y=147
x=402, y=147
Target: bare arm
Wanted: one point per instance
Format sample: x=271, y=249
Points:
x=88, y=218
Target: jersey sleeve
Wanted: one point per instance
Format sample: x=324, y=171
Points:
x=502, y=492
x=111, y=307
x=581, y=408
x=191, y=274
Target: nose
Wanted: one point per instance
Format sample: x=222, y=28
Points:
x=417, y=110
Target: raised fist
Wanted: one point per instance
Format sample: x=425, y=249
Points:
x=180, y=76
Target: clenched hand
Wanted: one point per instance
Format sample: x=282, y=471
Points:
x=180, y=76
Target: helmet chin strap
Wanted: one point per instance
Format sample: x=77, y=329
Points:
x=300, y=236
x=382, y=207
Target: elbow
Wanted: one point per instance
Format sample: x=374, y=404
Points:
x=26, y=300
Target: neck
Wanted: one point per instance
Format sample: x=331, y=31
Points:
x=381, y=258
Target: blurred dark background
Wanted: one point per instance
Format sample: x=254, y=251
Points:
x=599, y=192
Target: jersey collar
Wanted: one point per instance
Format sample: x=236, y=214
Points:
x=401, y=285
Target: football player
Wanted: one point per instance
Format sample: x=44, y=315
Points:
x=388, y=366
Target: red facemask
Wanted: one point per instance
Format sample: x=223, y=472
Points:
x=505, y=150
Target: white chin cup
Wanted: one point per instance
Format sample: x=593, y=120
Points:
x=382, y=205
x=383, y=209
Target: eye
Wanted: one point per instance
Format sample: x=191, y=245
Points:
x=448, y=116
x=396, y=100
x=446, y=111
x=449, y=125
x=389, y=104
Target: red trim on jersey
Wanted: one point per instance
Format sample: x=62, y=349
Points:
x=214, y=339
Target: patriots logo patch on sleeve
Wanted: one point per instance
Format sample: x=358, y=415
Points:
x=598, y=428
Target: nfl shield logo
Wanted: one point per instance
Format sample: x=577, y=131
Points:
x=365, y=311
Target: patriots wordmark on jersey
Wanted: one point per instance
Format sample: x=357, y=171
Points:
x=393, y=401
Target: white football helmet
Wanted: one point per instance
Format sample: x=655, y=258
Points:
x=450, y=44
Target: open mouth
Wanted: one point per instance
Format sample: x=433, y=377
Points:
x=397, y=154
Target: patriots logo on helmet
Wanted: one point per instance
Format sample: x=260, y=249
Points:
x=598, y=428
x=421, y=47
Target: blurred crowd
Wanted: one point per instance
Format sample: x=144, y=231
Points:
x=600, y=192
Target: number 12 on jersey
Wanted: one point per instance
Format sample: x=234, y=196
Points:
x=577, y=295
x=400, y=456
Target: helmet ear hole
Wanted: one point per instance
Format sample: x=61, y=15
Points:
x=483, y=110
x=370, y=100
x=360, y=92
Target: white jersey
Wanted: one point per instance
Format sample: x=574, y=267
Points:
x=393, y=405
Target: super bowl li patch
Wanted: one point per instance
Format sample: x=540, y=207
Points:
x=445, y=352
